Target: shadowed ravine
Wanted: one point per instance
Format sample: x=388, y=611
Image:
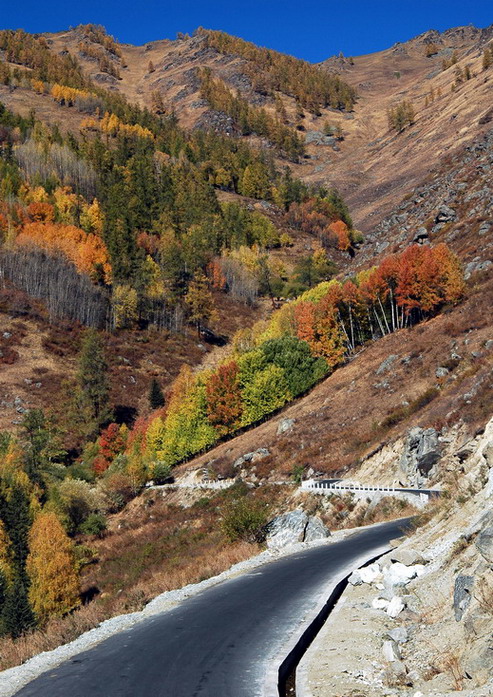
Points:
x=220, y=643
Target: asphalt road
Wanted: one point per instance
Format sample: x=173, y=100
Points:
x=219, y=643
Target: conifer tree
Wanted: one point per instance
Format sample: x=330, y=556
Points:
x=17, y=523
x=17, y=616
x=156, y=397
x=93, y=390
x=3, y=597
x=54, y=586
x=38, y=449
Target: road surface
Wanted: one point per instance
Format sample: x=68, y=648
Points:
x=219, y=643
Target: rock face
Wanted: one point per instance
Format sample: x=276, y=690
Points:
x=484, y=543
x=421, y=453
x=292, y=527
x=462, y=595
x=479, y=664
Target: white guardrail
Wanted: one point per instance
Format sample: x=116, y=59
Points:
x=312, y=484
x=221, y=484
x=328, y=487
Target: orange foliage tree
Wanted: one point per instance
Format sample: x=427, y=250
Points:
x=87, y=251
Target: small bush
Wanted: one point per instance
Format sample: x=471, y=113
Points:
x=245, y=520
x=94, y=524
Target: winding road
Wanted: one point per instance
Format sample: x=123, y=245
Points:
x=224, y=642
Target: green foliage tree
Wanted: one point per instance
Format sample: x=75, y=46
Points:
x=300, y=368
x=17, y=520
x=255, y=181
x=267, y=391
x=41, y=447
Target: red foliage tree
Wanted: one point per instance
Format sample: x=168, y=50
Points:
x=111, y=442
x=224, y=406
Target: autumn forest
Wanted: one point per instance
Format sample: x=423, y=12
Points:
x=134, y=223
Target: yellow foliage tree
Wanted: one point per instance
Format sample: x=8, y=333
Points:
x=125, y=306
x=91, y=218
x=54, y=587
x=65, y=204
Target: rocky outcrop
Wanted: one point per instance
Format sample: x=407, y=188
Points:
x=484, y=543
x=421, y=453
x=285, y=426
x=292, y=527
x=445, y=214
x=462, y=595
x=254, y=456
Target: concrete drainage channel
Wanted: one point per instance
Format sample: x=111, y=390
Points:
x=287, y=669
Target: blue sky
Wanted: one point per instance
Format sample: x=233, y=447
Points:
x=309, y=29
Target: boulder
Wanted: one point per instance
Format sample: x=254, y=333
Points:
x=407, y=556
x=399, y=574
x=395, y=606
x=285, y=425
x=462, y=595
x=315, y=530
x=484, y=543
x=251, y=457
x=385, y=365
x=445, y=214
x=421, y=453
x=391, y=651
x=399, y=635
x=370, y=573
x=421, y=235
x=292, y=527
x=380, y=603
x=355, y=578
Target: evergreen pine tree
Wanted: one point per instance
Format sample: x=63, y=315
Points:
x=17, y=523
x=156, y=397
x=92, y=381
x=3, y=597
x=17, y=616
